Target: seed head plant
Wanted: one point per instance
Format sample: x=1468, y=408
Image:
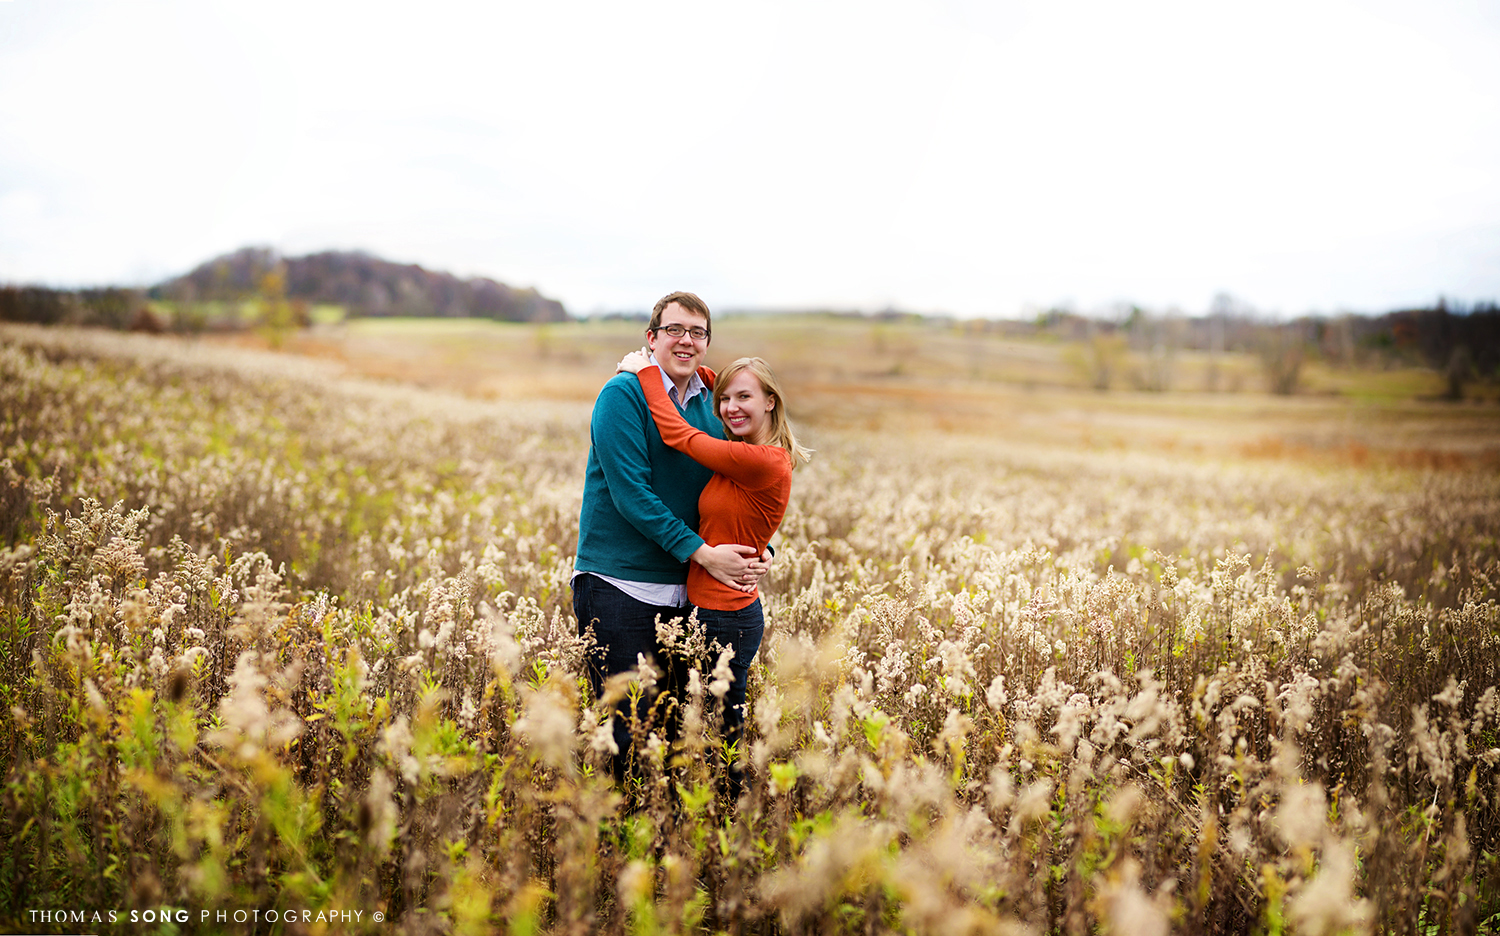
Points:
x=274, y=637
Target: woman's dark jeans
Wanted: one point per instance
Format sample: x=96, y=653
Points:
x=624, y=629
x=740, y=631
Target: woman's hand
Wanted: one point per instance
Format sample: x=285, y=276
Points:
x=731, y=564
x=755, y=570
x=633, y=362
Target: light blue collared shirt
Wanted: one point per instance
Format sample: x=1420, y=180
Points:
x=695, y=386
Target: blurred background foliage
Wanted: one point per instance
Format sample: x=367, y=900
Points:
x=257, y=290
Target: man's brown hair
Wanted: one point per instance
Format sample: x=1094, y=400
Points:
x=688, y=301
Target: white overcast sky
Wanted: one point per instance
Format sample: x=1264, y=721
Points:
x=966, y=157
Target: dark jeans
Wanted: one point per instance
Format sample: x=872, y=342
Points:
x=740, y=631
x=624, y=629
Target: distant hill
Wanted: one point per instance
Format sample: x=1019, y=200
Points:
x=362, y=284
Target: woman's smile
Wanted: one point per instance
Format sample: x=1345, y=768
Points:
x=745, y=407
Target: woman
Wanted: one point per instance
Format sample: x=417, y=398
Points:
x=742, y=503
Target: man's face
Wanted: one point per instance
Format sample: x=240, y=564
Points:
x=678, y=357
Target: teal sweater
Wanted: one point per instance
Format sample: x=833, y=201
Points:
x=640, y=497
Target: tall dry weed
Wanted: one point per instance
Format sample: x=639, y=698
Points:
x=275, y=638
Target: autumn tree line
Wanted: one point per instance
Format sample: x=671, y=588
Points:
x=1462, y=343
x=256, y=287
x=1128, y=347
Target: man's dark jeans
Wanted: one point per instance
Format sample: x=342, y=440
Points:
x=625, y=629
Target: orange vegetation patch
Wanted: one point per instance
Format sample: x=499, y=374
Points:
x=1359, y=455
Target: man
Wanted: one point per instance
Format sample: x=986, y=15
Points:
x=640, y=510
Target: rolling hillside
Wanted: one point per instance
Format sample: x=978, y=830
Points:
x=364, y=285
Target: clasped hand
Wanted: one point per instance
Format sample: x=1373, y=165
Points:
x=735, y=565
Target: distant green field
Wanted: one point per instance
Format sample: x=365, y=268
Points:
x=326, y=314
x=383, y=325
x=188, y=315
x=191, y=315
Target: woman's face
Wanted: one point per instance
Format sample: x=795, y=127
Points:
x=745, y=408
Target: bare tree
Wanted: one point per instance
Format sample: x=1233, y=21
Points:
x=1282, y=349
x=1460, y=370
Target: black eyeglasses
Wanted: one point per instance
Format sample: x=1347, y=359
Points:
x=677, y=331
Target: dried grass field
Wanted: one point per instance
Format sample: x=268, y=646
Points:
x=291, y=635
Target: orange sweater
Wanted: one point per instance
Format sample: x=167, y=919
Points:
x=742, y=503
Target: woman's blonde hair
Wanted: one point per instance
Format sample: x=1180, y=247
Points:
x=781, y=427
